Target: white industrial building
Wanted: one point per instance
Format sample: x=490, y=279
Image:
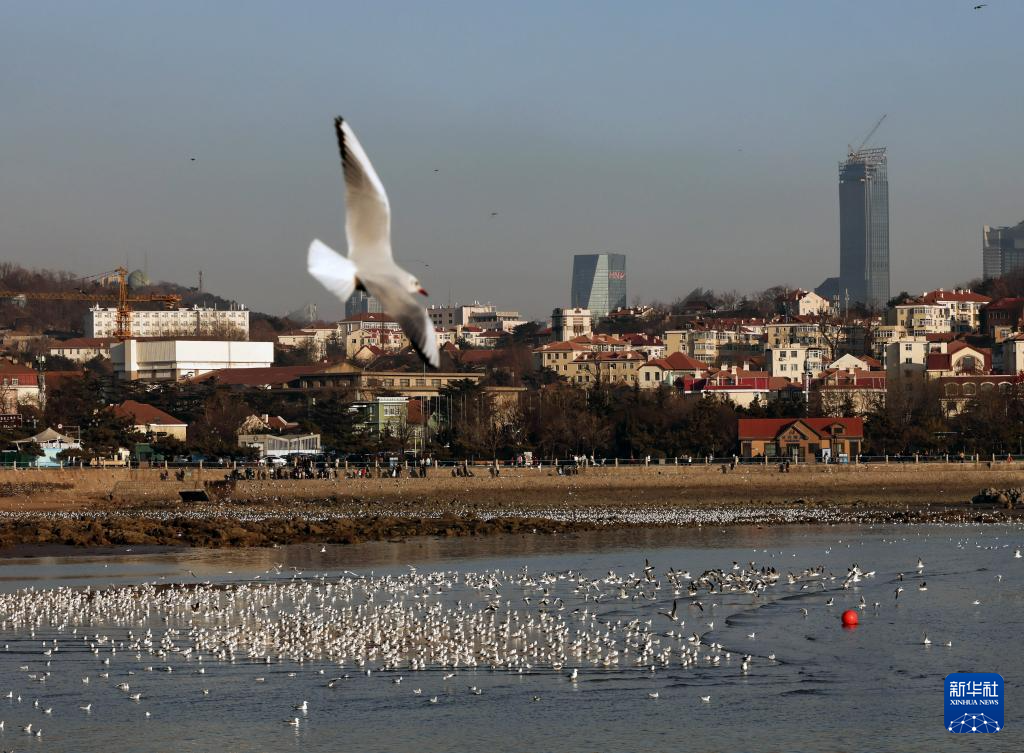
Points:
x=182, y=359
x=181, y=322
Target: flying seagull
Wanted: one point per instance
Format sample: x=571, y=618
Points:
x=369, y=265
x=979, y=7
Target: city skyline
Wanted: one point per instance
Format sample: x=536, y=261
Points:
x=660, y=142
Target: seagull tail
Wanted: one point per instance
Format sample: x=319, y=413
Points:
x=332, y=270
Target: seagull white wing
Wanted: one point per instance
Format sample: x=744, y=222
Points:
x=367, y=212
x=413, y=317
x=331, y=269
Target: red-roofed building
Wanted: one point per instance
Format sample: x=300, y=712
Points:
x=800, y=439
x=849, y=391
x=269, y=377
x=740, y=388
x=19, y=385
x=958, y=358
x=669, y=369
x=149, y=419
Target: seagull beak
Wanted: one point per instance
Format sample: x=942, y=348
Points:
x=422, y=292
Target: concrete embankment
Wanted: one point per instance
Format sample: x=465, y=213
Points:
x=668, y=485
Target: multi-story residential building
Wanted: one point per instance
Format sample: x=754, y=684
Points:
x=795, y=361
x=702, y=344
x=385, y=339
x=963, y=307
x=599, y=283
x=608, y=368
x=882, y=335
x=650, y=345
x=1002, y=317
x=957, y=358
x=567, y=323
x=181, y=322
x=919, y=318
x=19, y=385
x=82, y=349
x=906, y=357
x=1002, y=250
x=742, y=388
x=559, y=355
x=801, y=303
x=366, y=321
x=460, y=314
x=669, y=369
x=849, y=391
x=504, y=321
x=1011, y=355
x=811, y=334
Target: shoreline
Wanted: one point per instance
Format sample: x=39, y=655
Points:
x=229, y=526
x=103, y=507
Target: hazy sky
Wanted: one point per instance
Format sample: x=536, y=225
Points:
x=699, y=138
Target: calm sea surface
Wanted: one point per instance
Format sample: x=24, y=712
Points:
x=875, y=688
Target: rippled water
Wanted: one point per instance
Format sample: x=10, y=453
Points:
x=875, y=688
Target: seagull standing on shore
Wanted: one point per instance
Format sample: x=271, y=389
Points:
x=369, y=265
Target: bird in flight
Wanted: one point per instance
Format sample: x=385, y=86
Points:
x=979, y=7
x=369, y=265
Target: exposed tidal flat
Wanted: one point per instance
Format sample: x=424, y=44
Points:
x=121, y=507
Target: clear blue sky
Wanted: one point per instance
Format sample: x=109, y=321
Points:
x=700, y=138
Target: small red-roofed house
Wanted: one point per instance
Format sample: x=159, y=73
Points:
x=148, y=419
x=800, y=439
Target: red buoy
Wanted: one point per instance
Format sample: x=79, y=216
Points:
x=850, y=618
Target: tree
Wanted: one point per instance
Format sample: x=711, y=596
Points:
x=214, y=433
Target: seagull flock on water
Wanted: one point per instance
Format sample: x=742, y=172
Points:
x=438, y=626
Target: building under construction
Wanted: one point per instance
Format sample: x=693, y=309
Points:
x=864, y=227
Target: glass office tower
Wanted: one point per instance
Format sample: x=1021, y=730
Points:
x=599, y=283
x=361, y=302
x=864, y=227
x=1002, y=250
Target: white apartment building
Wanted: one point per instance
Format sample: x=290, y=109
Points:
x=154, y=360
x=906, y=357
x=181, y=322
x=794, y=361
x=460, y=315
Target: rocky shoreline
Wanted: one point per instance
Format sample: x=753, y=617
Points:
x=238, y=525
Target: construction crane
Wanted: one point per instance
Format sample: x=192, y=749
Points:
x=868, y=137
x=124, y=300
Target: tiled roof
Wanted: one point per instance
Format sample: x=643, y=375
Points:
x=965, y=296
x=84, y=342
x=679, y=362
x=769, y=428
x=258, y=376
x=142, y=414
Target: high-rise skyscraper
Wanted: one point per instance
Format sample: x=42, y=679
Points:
x=599, y=283
x=1002, y=250
x=361, y=302
x=864, y=227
